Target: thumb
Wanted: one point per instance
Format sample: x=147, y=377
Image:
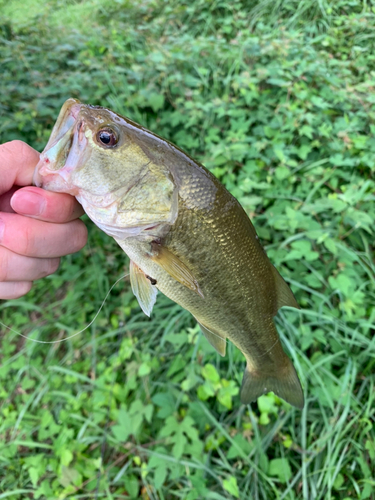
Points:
x=17, y=164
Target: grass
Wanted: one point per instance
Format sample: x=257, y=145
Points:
x=277, y=100
x=57, y=13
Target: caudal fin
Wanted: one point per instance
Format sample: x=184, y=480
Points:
x=286, y=385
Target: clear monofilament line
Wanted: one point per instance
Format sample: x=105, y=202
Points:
x=74, y=334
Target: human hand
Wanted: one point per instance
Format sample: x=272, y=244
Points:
x=37, y=227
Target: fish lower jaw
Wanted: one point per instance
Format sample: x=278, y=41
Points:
x=122, y=233
x=53, y=182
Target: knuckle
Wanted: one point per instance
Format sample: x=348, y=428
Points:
x=14, y=290
x=69, y=208
x=46, y=267
x=61, y=207
x=4, y=265
x=22, y=288
x=10, y=145
x=79, y=239
x=16, y=145
x=52, y=266
x=23, y=149
x=27, y=241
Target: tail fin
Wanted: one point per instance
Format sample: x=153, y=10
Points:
x=286, y=385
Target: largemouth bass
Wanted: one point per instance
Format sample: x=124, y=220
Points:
x=185, y=234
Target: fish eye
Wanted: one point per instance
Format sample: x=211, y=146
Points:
x=107, y=137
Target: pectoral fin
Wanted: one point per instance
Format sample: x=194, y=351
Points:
x=216, y=340
x=142, y=288
x=175, y=268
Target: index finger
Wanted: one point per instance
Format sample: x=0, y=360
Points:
x=46, y=205
x=17, y=164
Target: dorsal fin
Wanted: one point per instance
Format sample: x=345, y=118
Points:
x=284, y=294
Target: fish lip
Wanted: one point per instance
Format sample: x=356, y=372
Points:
x=65, y=126
x=70, y=108
x=62, y=134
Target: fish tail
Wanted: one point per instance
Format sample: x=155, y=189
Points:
x=286, y=385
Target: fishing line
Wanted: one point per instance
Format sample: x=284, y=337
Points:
x=94, y=318
x=227, y=342
x=74, y=334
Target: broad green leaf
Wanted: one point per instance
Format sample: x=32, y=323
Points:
x=210, y=373
x=280, y=468
x=69, y=476
x=230, y=485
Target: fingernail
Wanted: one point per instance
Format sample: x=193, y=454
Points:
x=28, y=203
x=2, y=226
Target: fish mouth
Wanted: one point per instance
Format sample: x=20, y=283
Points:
x=63, y=150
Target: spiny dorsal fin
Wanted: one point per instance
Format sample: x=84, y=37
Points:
x=174, y=267
x=142, y=288
x=284, y=294
x=216, y=340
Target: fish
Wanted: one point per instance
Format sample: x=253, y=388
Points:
x=184, y=233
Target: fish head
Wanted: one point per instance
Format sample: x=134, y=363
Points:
x=107, y=162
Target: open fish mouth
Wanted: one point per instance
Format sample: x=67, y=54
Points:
x=63, y=150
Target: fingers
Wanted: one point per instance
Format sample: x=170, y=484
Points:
x=46, y=206
x=5, y=200
x=14, y=290
x=30, y=246
x=17, y=164
x=16, y=267
x=34, y=238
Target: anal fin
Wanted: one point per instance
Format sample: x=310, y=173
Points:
x=142, y=288
x=216, y=340
x=175, y=267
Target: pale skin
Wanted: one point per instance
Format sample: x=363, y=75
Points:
x=37, y=227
